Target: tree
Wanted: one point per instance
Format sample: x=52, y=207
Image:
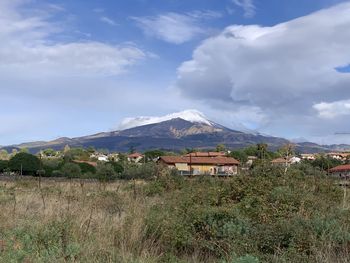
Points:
x=239, y=155
x=151, y=155
x=91, y=149
x=3, y=165
x=24, y=163
x=118, y=167
x=71, y=170
x=220, y=148
x=66, y=148
x=24, y=150
x=262, y=150
x=325, y=162
x=122, y=158
x=286, y=152
x=49, y=152
x=50, y=165
x=4, y=155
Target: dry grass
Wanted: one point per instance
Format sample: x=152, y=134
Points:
x=102, y=225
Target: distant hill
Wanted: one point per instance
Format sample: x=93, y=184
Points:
x=174, y=135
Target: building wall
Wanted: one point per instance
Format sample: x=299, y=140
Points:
x=198, y=169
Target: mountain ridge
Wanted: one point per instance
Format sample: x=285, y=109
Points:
x=174, y=134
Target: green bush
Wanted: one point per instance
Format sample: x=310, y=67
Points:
x=86, y=168
x=50, y=165
x=140, y=171
x=71, y=170
x=25, y=162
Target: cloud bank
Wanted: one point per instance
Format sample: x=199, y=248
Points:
x=286, y=72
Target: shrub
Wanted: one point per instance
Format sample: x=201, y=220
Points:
x=259, y=216
x=50, y=165
x=118, y=167
x=105, y=172
x=86, y=168
x=71, y=170
x=140, y=171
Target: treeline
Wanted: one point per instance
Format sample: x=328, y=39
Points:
x=78, y=163
x=71, y=166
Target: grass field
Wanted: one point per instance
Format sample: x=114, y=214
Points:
x=242, y=219
x=73, y=221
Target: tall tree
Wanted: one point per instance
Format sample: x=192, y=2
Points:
x=24, y=163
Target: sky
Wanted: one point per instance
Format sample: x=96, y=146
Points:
x=73, y=68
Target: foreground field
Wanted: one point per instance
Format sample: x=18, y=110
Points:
x=290, y=218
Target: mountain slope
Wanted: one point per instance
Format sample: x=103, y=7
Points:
x=174, y=134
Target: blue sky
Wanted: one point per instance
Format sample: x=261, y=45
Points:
x=71, y=68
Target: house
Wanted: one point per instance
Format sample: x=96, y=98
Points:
x=135, y=157
x=341, y=171
x=308, y=156
x=339, y=156
x=250, y=160
x=294, y=160
x=188, y=165
x=102, y=158
x=99, y=157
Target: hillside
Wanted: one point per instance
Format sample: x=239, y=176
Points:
x=190, y=131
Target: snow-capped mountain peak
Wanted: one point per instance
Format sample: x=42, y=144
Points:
x=191, y=115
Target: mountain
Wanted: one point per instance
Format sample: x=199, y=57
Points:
x=188, y=129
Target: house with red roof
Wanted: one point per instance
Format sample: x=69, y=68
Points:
x=341, y=171
x=135, y=157
x=206, y=154
x=195, y=165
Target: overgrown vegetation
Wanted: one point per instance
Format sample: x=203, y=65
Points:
x=301, y=216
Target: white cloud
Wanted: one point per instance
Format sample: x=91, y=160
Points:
x=333, y=109
x=207, y=14
x=26, y=45
x=282, y=71
x=248, y=7
x=108, y=20
x=174, y=27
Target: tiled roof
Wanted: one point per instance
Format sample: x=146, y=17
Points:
x=340, y=168
x=206, y=154
x=135, y=155
x=199, y=160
